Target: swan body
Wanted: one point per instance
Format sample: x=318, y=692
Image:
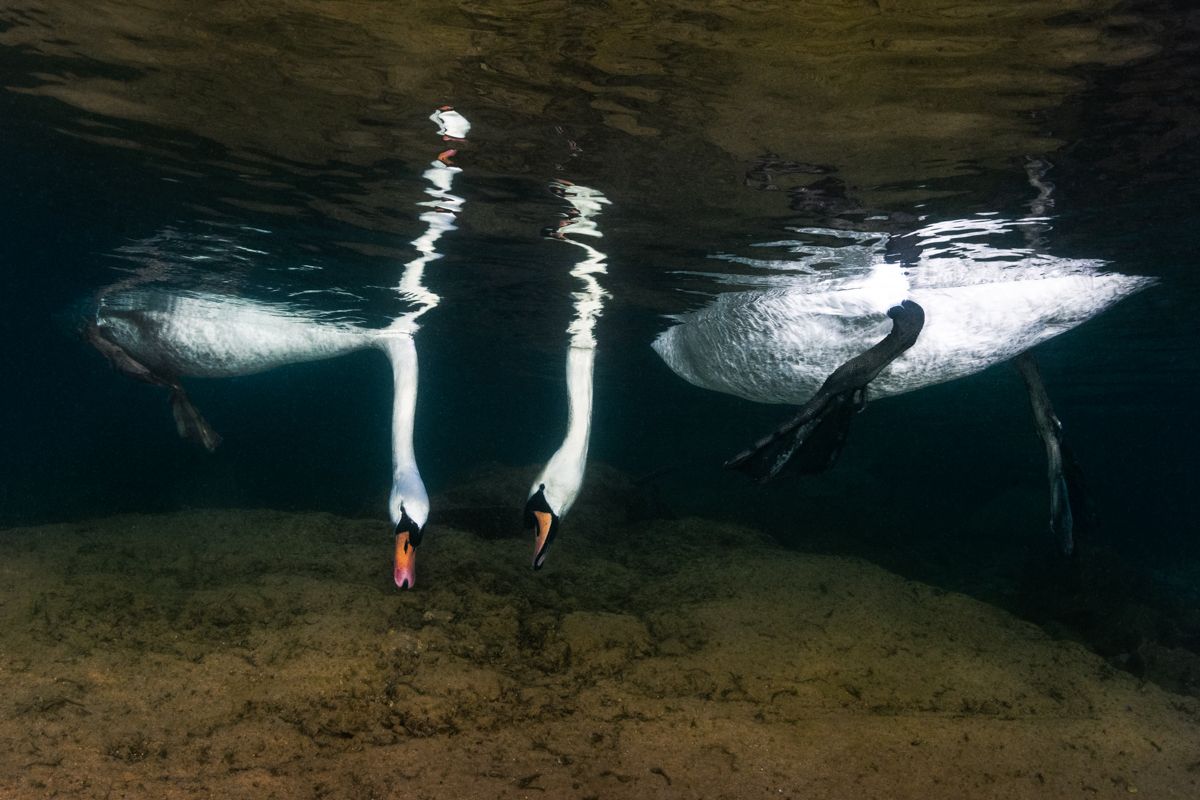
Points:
x=779, y=345
x=844, y=325
x=216, y=336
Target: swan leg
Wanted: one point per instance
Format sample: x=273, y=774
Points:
x=1065, y=492
x=120, y=360
x=812, y=440
x=188, y=421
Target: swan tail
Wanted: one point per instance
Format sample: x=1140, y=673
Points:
x=812, y=440
x=190, y=423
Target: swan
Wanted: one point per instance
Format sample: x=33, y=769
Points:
x=841, y=323
x=554, y=490
x=160, y=336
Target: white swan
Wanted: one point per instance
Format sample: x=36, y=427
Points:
x=161, y=336
x=840, y=323
x=556, y=487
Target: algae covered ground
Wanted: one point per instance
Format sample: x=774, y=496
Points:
x=265, y=654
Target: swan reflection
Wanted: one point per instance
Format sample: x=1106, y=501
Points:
x=839, y=322
x=556, y=487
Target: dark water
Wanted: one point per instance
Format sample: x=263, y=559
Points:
x=276, y=153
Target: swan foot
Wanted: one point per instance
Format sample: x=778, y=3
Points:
x=812, y=440
x=189, y=422
x=1066, y=492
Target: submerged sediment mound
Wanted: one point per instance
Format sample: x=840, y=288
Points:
x=264, y=654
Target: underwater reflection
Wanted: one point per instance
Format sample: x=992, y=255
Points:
x=161, y=335
x=851, y=316
x=556, y=487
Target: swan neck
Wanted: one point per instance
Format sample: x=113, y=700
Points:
x=563, y=475
x=408, y=490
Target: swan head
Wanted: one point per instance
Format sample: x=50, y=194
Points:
x=408, y=533
x=542, y=518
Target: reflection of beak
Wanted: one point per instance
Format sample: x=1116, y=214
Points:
x=404, y=571
x=545, y=525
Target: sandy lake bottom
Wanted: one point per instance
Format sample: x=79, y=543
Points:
x=265, y=654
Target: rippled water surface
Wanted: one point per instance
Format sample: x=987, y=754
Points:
x=514, y=184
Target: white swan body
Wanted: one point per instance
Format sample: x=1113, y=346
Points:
x=780, y=344
x=844, y=325
x=216, y=336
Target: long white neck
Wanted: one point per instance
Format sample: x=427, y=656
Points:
x=563, y=473
x=408, y=490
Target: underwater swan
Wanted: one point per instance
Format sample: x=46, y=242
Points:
x=845, y=326
x=160, y=336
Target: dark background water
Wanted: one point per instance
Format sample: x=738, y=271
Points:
x=120, y=122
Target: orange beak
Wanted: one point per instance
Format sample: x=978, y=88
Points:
x=404, y=571
x=543, y=522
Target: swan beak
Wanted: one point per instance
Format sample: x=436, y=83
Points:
x=541, y=517
x=404, y=571
x=545, y=525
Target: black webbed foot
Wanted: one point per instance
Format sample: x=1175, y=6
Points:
x=812, y=440
x=190, y=424
x=1067, y=497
